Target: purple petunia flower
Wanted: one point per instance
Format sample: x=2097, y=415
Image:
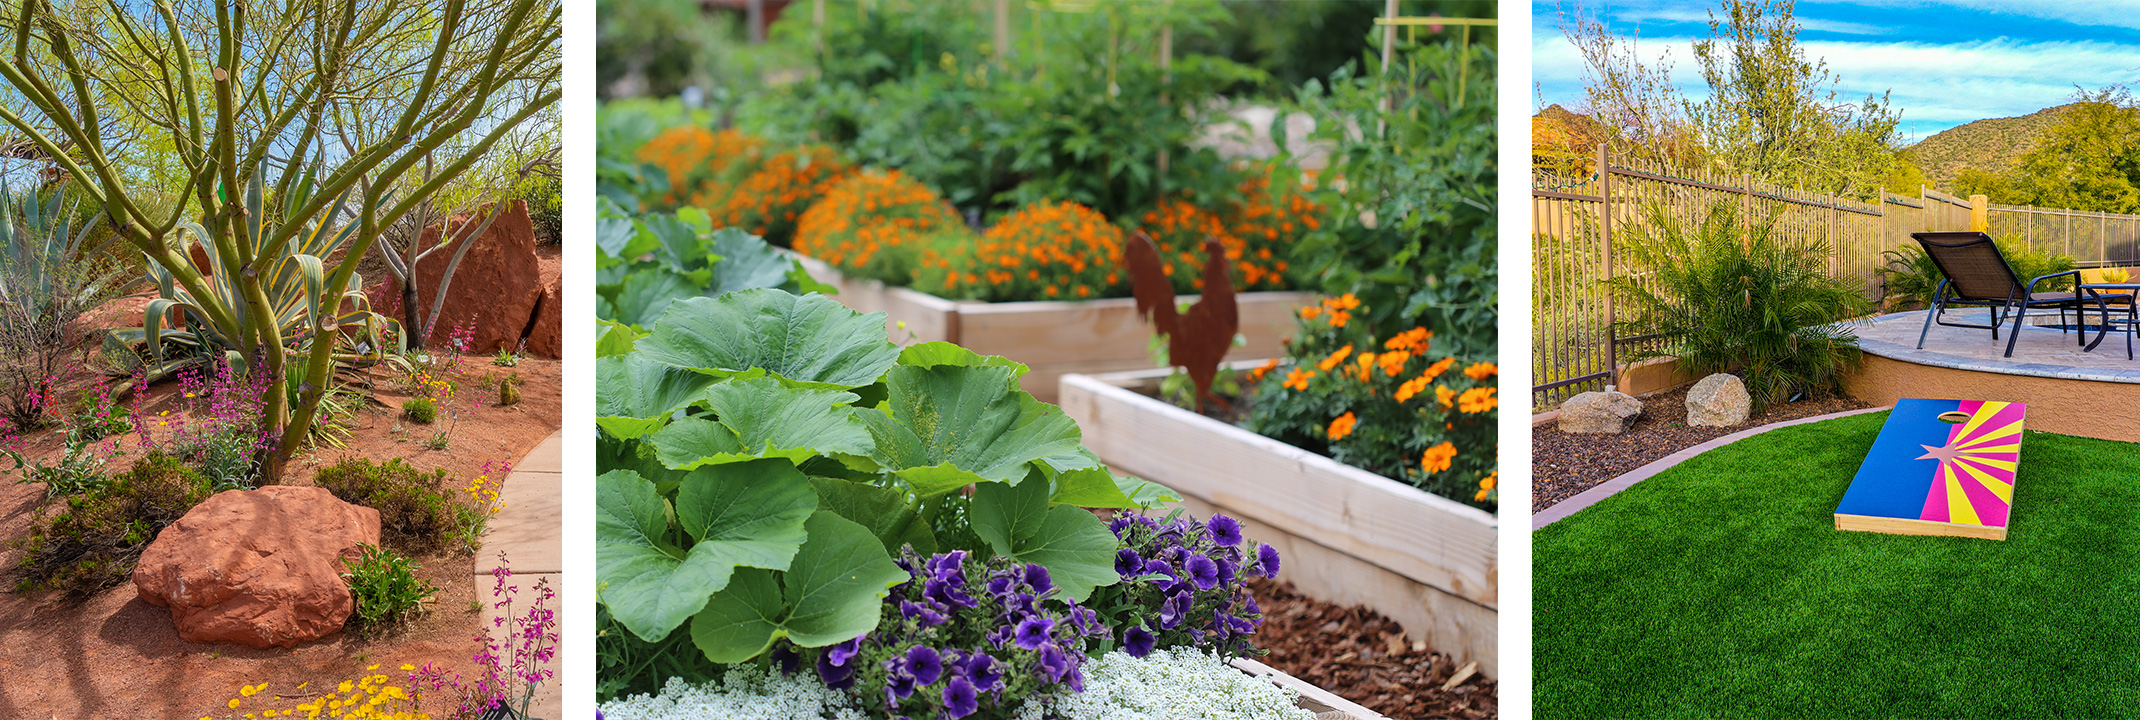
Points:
x=925, y=664
x=1267, y=560
x=1171, y=611
x=1035, y=632
x=1159, y=567
x=1128, y=562
x=1138, y=642
x=1054, y=663
x=786, y=659
x=947, y=593
x=836, y=676
x=1037, y=576
x=897, y=687
x=1203, y=571
x=1224, y=530
x=960, y=698
x=840, y=653
x=984, y=670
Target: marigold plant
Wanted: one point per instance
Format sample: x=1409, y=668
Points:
x=873, y=224
x=694, y=156
x=1043, y=251
x=766, y=194
x=1257, y=231
x=1390, y=405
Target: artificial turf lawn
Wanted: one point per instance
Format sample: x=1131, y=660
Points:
x=1721, y=588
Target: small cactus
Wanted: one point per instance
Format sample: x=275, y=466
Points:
x=509, y=390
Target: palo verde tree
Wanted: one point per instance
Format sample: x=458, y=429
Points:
x=254, y=99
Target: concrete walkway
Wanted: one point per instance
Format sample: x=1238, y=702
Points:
x=530, y=532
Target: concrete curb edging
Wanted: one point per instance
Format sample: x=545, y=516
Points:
x=1561, y=510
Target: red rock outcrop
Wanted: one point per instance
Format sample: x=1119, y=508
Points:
x=495, y=288
x=260, y=568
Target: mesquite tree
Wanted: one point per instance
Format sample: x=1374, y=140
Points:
x=254, y=99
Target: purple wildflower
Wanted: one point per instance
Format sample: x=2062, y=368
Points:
x=960, y=698
x=1035, y=632
x=1138, y=642
x=1224, y=530
x=925, y=664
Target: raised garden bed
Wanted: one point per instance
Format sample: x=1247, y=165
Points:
x=1349, y=536
x=1054, y=338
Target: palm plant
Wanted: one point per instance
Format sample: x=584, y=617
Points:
x=1725, y=297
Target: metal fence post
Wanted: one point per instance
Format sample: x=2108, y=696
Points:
x=1612, y=340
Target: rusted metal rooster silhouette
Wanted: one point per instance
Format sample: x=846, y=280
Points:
x=1198, y=339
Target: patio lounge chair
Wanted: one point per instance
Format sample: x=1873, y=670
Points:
x=1979, y=276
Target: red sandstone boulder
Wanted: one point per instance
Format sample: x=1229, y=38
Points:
x=496, y=286
x=547, y=339
x=260, y=568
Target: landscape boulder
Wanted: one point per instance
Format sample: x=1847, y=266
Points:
x=546, y=338
x=260, y=568
x=1608, y=412
x=1719, y=400
x=495, y=288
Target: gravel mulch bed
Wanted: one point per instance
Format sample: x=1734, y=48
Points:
x=1563, y=465
x=1363, y=657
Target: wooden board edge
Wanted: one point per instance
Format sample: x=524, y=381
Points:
x=1911, y=526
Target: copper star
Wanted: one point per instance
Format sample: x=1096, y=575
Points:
x=1944, y=453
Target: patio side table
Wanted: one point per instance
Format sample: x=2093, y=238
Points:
x=2104, y=296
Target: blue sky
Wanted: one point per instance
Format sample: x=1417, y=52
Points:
x=1947, y=63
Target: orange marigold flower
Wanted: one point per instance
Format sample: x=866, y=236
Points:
x=1445, y=396
x=1335, y=358
x=1367, y=362
x=1436, y=370
x=1478, y=400
x=1437, y=458
x=1487, y=483
x=1342, y=426
x=1413, y=341
x=1411, y=387
x=1298, y=378
x=1338, y=318
x=1310, y=312
x=1481, y=371
x=1393, y=362
x=1262, y=370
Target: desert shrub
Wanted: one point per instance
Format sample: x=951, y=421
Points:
x=1391, y=405
x=419, y=410
x=874, y=224
x=766, y=195
x=416, y=514
x=509, y=390
x=219, y=432
x=93, y=541
x=386, y=588
x=50, y=275
x=98, y=415
x=1043, y=251
x=1723, y=297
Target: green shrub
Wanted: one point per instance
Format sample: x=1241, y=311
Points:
x=386, y=588
x=1722, y=297
x=419, y=410
x=94, y=541
x=416, y=514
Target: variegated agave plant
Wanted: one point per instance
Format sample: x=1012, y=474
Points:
x=295, y=290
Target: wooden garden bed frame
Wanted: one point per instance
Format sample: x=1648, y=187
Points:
x=1054, y=338
x=1348, y=536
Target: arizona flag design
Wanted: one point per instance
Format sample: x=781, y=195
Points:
x=1938, y=477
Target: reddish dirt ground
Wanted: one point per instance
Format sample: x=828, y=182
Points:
x=114, y=655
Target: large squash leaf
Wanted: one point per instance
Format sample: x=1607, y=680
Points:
x=952, y=425
x=832, y=594
x=745, y=514
x=1077, y=549
x=635, y=396
x=760, y=417
x=810, y=340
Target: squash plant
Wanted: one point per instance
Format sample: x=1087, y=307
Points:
x=644, y=262
x=765, y=455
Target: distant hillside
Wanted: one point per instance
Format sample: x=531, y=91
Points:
x=1994, y=144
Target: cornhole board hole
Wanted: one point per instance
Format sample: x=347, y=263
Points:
x=1939, y=467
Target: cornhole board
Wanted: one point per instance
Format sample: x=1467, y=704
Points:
x=1939, y=467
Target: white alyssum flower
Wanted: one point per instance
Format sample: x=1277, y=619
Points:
x=745, y=693
x=1171, y=684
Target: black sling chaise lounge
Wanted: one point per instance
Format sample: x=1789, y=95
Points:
x=1979, y=276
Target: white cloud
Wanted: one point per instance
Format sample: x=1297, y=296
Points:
x=1697, y=15
x=2113, y=13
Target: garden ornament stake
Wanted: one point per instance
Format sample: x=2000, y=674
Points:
x=1198, y=339
x=242, y=94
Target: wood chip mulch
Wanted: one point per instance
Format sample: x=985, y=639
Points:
x=1363, y=657
x=1563, y=465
